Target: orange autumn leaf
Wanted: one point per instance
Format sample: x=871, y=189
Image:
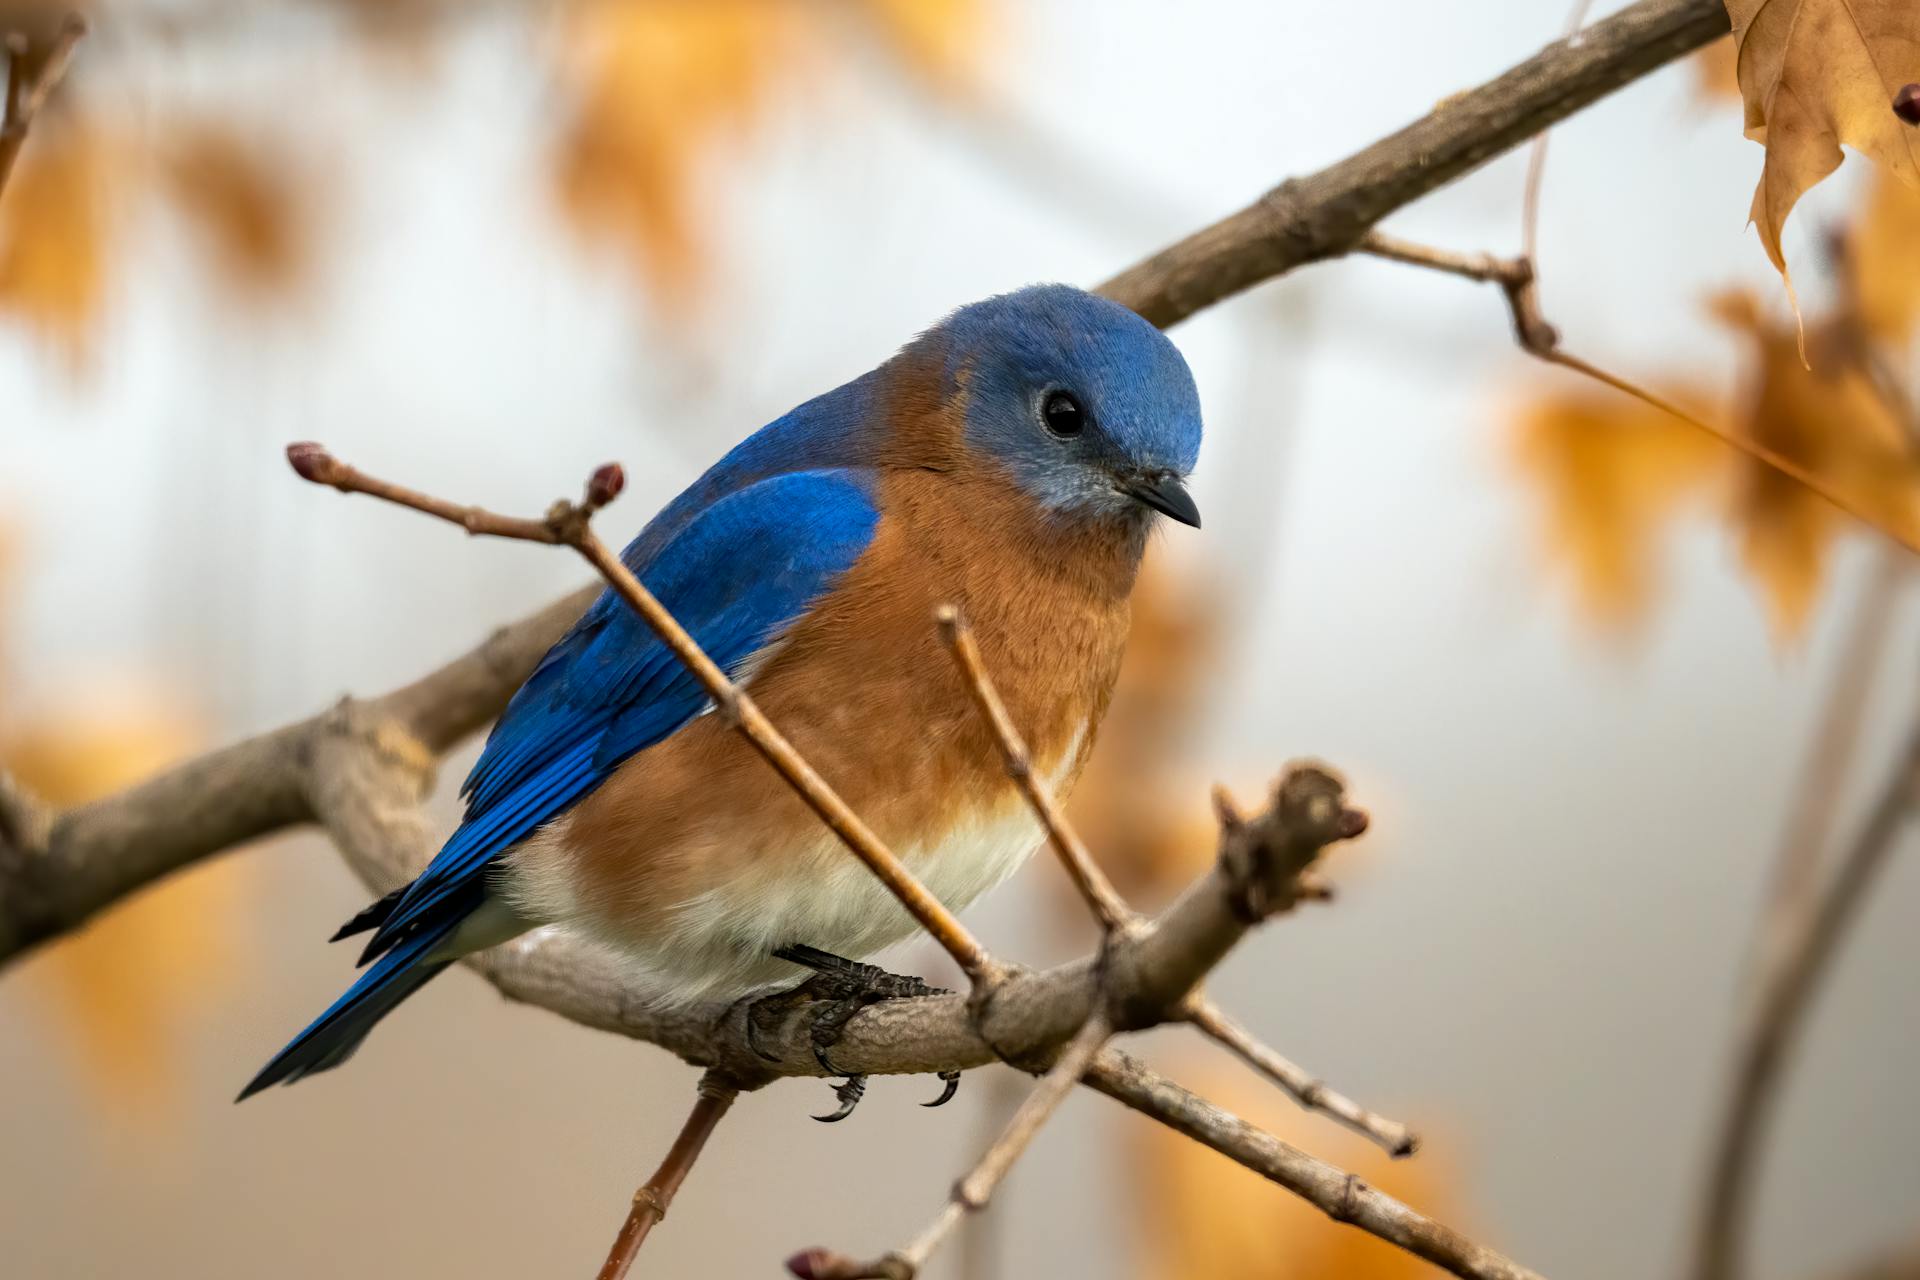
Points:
x=245, y=204
x=53, y=229
x=662, y=90
x=1816, y=75
x=1830, y=420
x=1611, y=472
x=1206, y=1218
x=1883, y=262
x=126, y=982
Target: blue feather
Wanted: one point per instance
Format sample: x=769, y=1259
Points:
x=735, y=576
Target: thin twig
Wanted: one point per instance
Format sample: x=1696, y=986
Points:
x=1537, y=157
x=1307, y=1089
x=1101, y=897
x=1341, y=1195
x=1829, y=756
x=1785, y=998
x=1539, y=339
x=569, y=524
x=27, y=87
x=972, y=1193
x=655, y=1196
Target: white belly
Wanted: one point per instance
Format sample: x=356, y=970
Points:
x=722, y=942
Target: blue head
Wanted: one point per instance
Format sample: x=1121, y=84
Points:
x=1090, y=408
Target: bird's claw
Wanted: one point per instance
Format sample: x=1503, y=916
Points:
x=846, y=987
x=950, y=1085
x=849, y=1092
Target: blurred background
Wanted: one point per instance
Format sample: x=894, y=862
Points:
x=1572, y=655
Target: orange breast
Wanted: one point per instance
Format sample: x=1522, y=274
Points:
x=864, y=689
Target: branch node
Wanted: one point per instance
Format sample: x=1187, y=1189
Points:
x=1265, y=859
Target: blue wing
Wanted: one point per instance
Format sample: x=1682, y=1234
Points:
x=735, y=577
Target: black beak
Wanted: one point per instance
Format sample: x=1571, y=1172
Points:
x=1165, y=494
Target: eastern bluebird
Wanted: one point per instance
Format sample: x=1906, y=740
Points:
x=1009, y=461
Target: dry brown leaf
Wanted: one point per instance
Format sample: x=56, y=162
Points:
x=53, y=231
x=1829, y=419
x=1206, y=1218
x=1612, y=471
x=1816, y=74
x=127, y=982
x=1883, y=262
x=245, y=203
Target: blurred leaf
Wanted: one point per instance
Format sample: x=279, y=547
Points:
x=127, y=981
x=53, y=228
x=1716, y=75
x=245, y=204
x=1883, y=261
x=1816, y=74
x=1829, y=419
x=1206, y=1218
x=1145, y=818
x=662, y=89
x=940, y=39
x=1612, y=471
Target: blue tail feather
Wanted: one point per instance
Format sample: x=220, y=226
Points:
x=335, y=1034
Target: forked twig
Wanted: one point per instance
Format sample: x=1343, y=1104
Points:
x=655, y=1196
x=1307, y=1089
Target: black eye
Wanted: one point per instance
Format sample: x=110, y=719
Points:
x=1062, y=414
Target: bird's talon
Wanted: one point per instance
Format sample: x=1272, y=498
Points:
x=849, y=1092
x=950, y=1082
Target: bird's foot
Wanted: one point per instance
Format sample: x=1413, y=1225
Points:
x=845, y=987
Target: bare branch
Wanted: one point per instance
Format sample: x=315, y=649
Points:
x=1307, y=1089
x=1785, y=995
x=1098, y=891
x=31, y=77
x=1340, y=1195
x=655, y=1196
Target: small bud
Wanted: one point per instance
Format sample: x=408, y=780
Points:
x=1906, y=103
x=606, y=484
x=309, y=460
